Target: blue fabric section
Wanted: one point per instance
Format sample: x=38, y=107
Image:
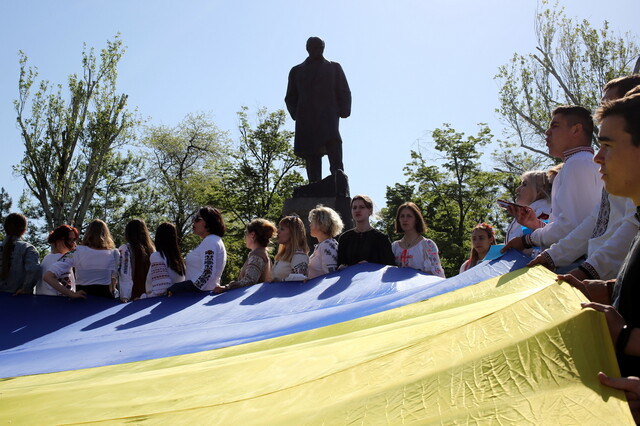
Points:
x=41, y=334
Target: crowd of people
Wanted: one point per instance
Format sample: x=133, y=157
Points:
x=580, y=220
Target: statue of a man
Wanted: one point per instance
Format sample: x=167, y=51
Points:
x=317, y=96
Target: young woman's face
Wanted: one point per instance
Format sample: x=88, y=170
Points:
x=407, y=220
x=313, y=229
x=249, y=239
x=525, y=194
x=481, y=240
x=199, y=227
x=71, y=241
x=283, y=234
x=360, y=211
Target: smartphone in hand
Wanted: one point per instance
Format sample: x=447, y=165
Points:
x=505, y=204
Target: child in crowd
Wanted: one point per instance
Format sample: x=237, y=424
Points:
x=62, y=240
x=482, y=238
x=292, y=260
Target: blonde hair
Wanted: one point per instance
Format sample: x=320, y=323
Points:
x=97, y=236
x=539, y=181
x=297, y=238
x=327, y=220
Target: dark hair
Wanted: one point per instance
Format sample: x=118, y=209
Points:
x=15, y=225
x=420, y=225
x=577, y=115
x=263, y=230
x=97, y=236
x=167, y=245
x=137, y=236
x=365, y=199
x=213, y=220
x=629, y=109
x=622, y=84
x=62, y=233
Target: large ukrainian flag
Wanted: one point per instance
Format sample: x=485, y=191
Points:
x=368, y=345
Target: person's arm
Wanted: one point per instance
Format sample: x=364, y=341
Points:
x=630, y=386
x=300, y=264
x=253, y=269
x=343, y=244
x=50, y=278
x=630, y=343
x=594, y=290
x=384, y=252
x=579, y=190
x=31, y=262
x=125, y=273
x=607, y=258
x=160, y=280
x=329, y=256
x=576, y=243
x=432, y=259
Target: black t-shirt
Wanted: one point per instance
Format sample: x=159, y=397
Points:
x=372, y=246
x=629, y=301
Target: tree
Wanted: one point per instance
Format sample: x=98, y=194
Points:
x=187, y=166
x=260, y=175
x=67, y=142
x=5, y=207
x=572, y=62
x=454, y=194
x=263, y=171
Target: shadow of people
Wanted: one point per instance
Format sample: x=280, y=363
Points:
x=165, y=307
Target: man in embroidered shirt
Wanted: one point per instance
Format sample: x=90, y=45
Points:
x=619, y=157
x=577, y=187
x=606, y=234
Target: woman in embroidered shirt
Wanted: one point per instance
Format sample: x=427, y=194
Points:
x=482, y=238
x=414, y=250
x=363, y=243
x=167, y=265
x=135, y=260
x=292, y=260
x=62, y=240
x=95, y=262
x=19, y=267
x=257, y=268
x=206, y=262
x=535, y=192
x=324, y=225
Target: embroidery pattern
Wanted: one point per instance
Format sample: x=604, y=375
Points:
x=208, y=270
x=603, y=216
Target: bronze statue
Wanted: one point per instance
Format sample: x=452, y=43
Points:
x=317, y=97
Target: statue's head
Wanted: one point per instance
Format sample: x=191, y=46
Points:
x=315, y=47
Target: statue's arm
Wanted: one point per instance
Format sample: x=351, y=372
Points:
x=291, y=98
x=343, y=93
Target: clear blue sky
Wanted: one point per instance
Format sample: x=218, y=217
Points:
x=411, y=65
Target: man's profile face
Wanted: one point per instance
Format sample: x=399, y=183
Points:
x=558, y=135
x=618, y=158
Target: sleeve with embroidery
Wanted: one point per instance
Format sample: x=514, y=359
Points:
x=575, y=244
x=125, y=277
x=160, y=280
x=606, y=260
x=577, y=194
x=253, y=269
x=299, y=263
x=329, y=256
x=207, y=269
x=432, y=259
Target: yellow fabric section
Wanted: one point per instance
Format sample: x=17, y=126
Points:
x=516, y=349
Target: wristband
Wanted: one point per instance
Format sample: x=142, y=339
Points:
x=623, y=339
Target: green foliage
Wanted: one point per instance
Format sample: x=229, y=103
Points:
x=68, y=141
x=186, y=164
x=260, y=175
x=571, y=63
x=5, y=208
x=452, y=190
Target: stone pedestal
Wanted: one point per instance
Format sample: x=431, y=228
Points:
x=332, y=191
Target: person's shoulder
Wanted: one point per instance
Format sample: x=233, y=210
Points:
x=156, y=256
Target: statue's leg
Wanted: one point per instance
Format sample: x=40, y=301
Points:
x=334, y=152
x=314, y=168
